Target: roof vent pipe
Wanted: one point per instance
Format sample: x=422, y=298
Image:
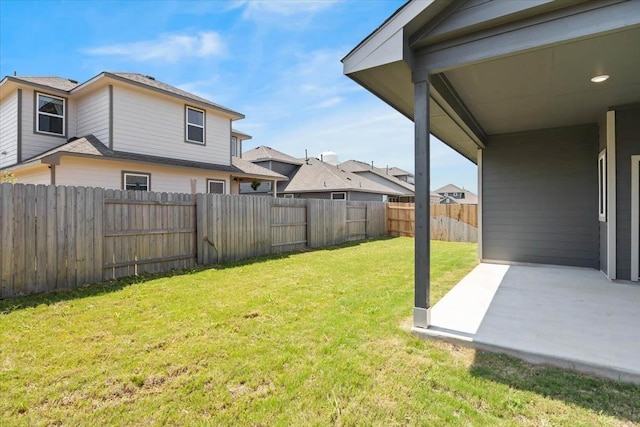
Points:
x=371, y=164
x=322, y=157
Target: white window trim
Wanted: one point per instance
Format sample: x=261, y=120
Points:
x=602, y=186
x=287, y=196
x=38, y=112
x=187, y=124
x=339, y=192
x=612, y=262
x=127, y=174
x=635, y=222
x=218, y=181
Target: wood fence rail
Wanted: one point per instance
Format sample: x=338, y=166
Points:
x=57, y=237
x=453, y=223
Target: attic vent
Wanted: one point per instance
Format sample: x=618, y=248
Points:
x=150, y=77
x=73, y=81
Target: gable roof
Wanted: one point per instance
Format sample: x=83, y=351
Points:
x=90, y=146
x=356, y=167
x=49, y=81
x=399, y=172
x=317, y=176
x=150, y=83
x=469, y=197
x=251, y=170
x=264, y=153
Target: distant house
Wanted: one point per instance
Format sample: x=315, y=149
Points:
x=313, y=178
x=273, y=160
x=121, y=131
x=434, y=197
x=383, y=177
x=452, y=194
x=402, y=175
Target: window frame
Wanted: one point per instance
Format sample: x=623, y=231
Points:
x=288, y=196
x=218, y=181
x=134, y=173
x=344, y=193
x=37, y=112
x=602, y=186
x=234, y=146
x=187, y=124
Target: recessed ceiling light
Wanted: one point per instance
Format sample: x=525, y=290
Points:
x=600, y=78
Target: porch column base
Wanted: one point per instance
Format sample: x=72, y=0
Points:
x=421, y=317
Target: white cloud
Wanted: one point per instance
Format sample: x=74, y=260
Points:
x=261, y=10
x=168, y=47
x=327, y=103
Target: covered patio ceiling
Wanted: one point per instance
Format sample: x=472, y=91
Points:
x=533, y=73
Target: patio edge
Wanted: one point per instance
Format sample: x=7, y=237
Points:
x=534, y=358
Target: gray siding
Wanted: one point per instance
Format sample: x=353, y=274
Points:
x=351, y=196
x=364, y=197
x=603, y=248
x=285, y=169
x=312, y=195
x=540, y=194
x=627, y=144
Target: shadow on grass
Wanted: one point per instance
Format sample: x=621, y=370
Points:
x=617, y=399
x=18, y=303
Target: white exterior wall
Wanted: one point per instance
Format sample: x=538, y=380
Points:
x=155, y=125
x=34, y=144
x=37, y=175
x=9, y=130
x=92, y=115
x=108, y=174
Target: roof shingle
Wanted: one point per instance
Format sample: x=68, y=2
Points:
x=91, y=146
x=316, y=176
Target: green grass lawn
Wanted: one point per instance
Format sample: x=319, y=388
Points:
x=314, y=338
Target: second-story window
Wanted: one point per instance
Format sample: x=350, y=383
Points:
x=50, y=114
x=195, y=125
x=234, y=146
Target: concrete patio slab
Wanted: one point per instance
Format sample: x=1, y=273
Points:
x=563, y=316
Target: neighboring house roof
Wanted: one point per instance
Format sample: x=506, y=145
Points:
x=316, y=176
x=51, y=81
x=434, y=195
x=253, y=170
x=264, y=153
x=399, y=172
x=242, y=135
x=469, y=197
x=140, y=80
x=90, y=146
x=356, y=166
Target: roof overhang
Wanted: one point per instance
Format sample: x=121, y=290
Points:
x=8, y=84
x=501, y=67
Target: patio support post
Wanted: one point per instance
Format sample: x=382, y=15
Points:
x=275, y=188
x=421, y=310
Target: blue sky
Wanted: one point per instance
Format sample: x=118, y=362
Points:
x=278, y=62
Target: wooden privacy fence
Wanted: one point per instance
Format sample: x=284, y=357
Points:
x=57, y=237
x=230, y=228
x=453, y=223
